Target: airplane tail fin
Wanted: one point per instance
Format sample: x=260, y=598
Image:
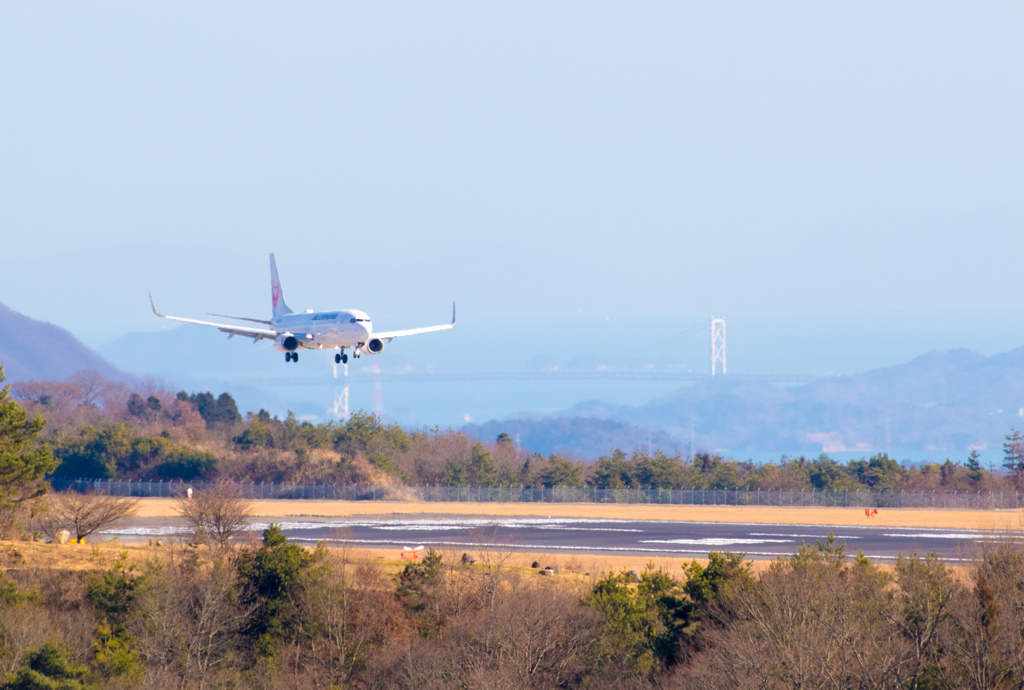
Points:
x=276, y=293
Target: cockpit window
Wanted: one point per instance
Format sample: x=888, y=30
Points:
x=351, y=320
x=359, y=320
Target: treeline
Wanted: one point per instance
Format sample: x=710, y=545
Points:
x=276, y=615
x=104, y=430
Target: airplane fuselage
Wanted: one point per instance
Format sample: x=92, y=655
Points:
x=310, y=330
x=321, y=330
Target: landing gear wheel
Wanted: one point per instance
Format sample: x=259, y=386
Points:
x=344, y=359
x=287, y=356
x=295, y=356
x=337, y=359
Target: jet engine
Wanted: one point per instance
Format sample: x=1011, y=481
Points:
x=286, y=342
x=374, y=346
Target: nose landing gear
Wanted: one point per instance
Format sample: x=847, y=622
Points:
x=341, y=358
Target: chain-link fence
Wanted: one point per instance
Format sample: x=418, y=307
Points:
x=564, y=494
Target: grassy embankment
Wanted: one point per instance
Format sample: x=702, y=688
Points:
x=87, y=557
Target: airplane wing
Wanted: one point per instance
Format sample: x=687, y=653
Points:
x=256, y=334
x=388, y=335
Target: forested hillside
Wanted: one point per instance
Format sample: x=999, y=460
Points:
x=103, y=429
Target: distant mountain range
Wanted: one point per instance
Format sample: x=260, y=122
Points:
x=586, y=437
x=31, y=349
x=941, y=402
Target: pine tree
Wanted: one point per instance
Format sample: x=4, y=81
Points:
x=974, y=465
x=1013, y=453
x=23, y=462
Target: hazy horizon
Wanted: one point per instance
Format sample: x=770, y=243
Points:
x=586, y=181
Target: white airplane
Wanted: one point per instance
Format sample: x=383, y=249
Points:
x=312, y=330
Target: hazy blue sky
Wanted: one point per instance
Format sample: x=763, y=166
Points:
x=842, y=182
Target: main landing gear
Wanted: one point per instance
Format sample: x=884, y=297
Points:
x=291, y=356
x=341, y=358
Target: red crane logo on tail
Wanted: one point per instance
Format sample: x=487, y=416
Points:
x=275, y=292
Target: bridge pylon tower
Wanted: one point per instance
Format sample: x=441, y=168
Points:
x=717, y=345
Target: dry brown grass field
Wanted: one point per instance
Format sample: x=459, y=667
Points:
x=100, y=554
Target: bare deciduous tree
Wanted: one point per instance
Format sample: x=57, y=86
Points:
x=217, y=514
x=188, y=619
x=810, y=621
x=84, y=514
x=356, y=614
x=90, y=384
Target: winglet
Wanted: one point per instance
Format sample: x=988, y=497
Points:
x=154, y=307
x=453, y=312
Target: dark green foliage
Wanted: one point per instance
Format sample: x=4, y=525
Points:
x=257, y=434
x=383, y=463
x=724, y=570
x=658, y=472
x=1013, y=454
x=648, y=623
x=483, y=470
x=825, y=474
x=221, y=410
x=879, y=473
x=270, y=576
x=11, y=595
x=23, y=462
x=187, y=464
x=643, y=622
x=418, y=579
x=51, y=667
x=147, y=408
x=454, y=474
x=113, y=592
x=94, y=454
x=115, y=451
x=137, y=407
x=417, y=586
x=115, y=653
x=113, y=595
x=974, y=471
x=561, y=472
x=363, y=430
x=613, y=472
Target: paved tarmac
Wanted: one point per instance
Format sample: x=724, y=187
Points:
x=571, y=535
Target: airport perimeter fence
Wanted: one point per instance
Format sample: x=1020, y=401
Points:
x=564, y=494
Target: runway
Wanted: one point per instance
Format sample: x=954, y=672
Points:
x=574, y=535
